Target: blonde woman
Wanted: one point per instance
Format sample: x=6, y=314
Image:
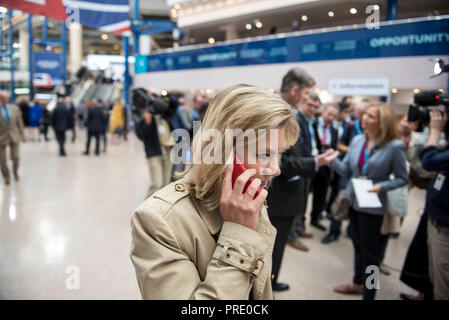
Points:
x=373, y=155
x=201, y=237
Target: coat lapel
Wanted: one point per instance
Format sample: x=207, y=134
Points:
x=357, y=150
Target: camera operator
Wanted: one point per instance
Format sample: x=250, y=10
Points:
x=437, y=206
x=150, y=130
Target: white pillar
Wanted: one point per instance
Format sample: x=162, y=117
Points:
x=24, y=39
x=144, y=45
x=76, y=46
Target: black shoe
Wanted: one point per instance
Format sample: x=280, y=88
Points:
x=329, y=238
x=85, y=153
x=318, y=225
x=280, y=286
x=394, y=235
x=385, y=270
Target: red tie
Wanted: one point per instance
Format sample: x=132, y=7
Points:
x=323, y=141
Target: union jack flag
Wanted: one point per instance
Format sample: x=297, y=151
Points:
x=105, y=15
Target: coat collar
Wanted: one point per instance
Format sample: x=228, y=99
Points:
x=212, y=219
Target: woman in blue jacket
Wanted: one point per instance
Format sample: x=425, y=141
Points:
x=375, y=155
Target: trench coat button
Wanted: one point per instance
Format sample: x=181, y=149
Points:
x=179, y=187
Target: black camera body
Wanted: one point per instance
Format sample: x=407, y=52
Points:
x=418, y=111
x=144, y=102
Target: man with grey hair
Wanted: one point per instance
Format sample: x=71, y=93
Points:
x=11, y=132
x=288, y=193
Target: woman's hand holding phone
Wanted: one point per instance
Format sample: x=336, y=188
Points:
x=239, y=207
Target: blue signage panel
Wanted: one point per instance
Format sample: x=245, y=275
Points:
x=48, y=65
x=397, y=40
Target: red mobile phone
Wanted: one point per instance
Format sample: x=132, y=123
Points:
x=239, y=168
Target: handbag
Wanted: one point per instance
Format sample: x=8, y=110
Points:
x=340, y=207
x=397, y=201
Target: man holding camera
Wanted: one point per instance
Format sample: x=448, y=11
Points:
x=154, y=132
x=437, y=205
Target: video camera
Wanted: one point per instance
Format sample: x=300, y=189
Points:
x=418, y=111
x=142, y=101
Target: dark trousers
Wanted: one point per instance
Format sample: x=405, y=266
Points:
x=95, y=134
x=335, y=228
x=45, y=131
x=338, y=183
x=105, y=140
x=282, y=225
x=60, y=137
x=415, y=272
x=365, y=235
x=73, y=133
x=319, y=188
x=383, y=246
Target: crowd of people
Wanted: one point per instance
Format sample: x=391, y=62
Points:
x=95, y=115
x=338, y=142
x=210, y=234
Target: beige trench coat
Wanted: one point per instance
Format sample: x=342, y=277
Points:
x=181, y=251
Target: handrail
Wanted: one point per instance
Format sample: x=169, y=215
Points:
x=297, y=33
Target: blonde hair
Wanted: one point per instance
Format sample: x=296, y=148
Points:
x=242, y=107
x=387, y=123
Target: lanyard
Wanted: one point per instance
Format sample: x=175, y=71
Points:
x=312, y=140
x=357, y=127
x=368, y=154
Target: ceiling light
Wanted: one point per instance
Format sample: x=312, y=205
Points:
x=415, y=90
x=211, y=40
x=104, y=36
x=331, y=14
x=258, y=23
x=441, y=90
x=248, y=26
x=394, y=90
x=353, y=10
x=177, y=6
x=304, y=18
x=116, y=47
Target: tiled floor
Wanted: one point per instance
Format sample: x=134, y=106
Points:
x=70, y=215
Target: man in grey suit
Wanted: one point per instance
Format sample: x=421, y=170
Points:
x=11, y=132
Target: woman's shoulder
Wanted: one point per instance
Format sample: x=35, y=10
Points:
x=397, y=144
x=167, y=203
x=358, y=139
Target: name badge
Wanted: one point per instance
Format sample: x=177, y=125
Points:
x=439, y=181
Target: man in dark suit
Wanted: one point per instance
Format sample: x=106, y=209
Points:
x=60, y=121
x=325, y=136
x=72, y=112
x=286, y=196
x=95, y=126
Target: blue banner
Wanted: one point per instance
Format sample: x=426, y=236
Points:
x=397, y=40
x=48, y=66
